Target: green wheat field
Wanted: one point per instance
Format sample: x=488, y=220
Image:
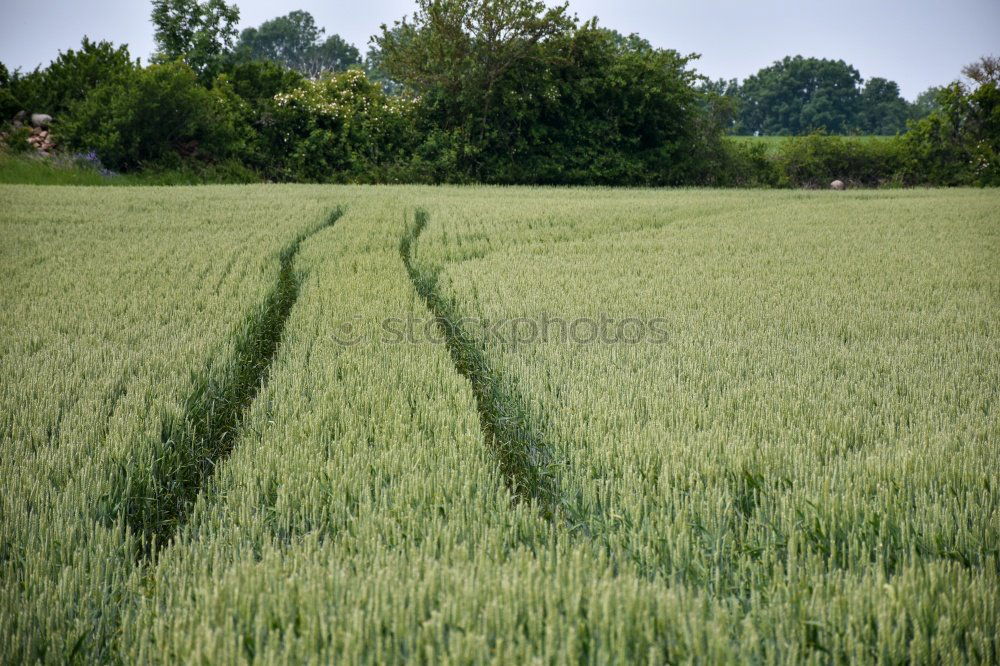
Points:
x=320, y=424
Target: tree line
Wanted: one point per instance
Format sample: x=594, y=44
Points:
x=797, y=95
x=499, y=91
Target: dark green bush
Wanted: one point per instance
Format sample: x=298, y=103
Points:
x=154, y=116
x=248, y=92
x=811, y=161
x=72, y=75
x=67, y=80
x=191, y=172
x=21, y=92
x=816, y=160
x=8, y=102
x=738, y=163
x=620, y=112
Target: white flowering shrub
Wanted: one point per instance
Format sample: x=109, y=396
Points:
x=342, y=127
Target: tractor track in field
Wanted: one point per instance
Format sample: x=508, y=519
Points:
x=525, y=460
x=193, y=446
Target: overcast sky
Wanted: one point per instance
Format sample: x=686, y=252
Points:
x=917, y=43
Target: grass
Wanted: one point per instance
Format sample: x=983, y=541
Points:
x=800, y=470
x=28, y=170
x=22, y=170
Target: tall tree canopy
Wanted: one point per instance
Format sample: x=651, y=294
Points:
x=295, y=41
x=375, y=69
x=199, y=33
x=882, y=110
x=516, y=91
x=462, y=48
x=926, y=103
x=797, y=95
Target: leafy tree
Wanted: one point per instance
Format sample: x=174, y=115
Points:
x=722, y=101
x=513, y=92
x=882, y=110
x=375, y=69
x=199, y=33
x=458, y=50
x=23, y=92
x=286, y=40
x=959, y=143
x=926, y=103
x=616, y=111
x=333, y=55
x=456, y=55
x=798, y=95
x=295, y=41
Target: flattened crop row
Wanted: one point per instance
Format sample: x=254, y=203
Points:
x=524, y=458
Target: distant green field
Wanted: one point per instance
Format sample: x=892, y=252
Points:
x=311, y=424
